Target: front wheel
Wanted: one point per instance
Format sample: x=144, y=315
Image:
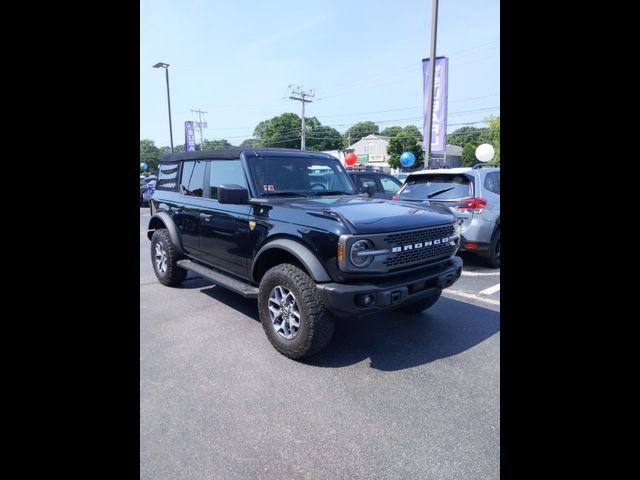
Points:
x=292, y=313
x=420, y=305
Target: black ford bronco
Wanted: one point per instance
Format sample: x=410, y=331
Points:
x=288, y=228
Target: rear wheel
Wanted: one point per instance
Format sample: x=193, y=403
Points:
x=292, y=313
x=493, y=260
x=420, y=305
x=164, y=258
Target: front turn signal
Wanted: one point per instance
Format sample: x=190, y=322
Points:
x=340, y=252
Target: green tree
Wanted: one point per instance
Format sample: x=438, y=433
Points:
x=405, y=141
x=464, y=135
x=391, y=131
x=250, y=143
x=282, y=132
x=149, y=154
x=469, y=155
x=492, y=137
x=321, y=137
x=213, y=144
x=413, y=130
x=357, y=131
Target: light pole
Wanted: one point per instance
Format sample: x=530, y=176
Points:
x=432, y=70
x=166, y=71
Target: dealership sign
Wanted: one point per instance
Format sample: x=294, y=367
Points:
x=439, y=118
x=189, y=137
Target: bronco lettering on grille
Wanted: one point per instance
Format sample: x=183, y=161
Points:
x=419, y=245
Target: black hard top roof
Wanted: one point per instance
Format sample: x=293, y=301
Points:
x=234, y=152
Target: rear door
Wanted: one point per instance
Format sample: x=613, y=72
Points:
x=186, y=213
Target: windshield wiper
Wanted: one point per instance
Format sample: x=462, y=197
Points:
x=282, y=194
x=439, y=192
x=332, y=192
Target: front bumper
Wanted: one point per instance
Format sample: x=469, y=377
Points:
x=340, y=298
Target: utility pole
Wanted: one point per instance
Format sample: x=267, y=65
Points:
x=200, y=124
x=301, y=96
x=432, y=72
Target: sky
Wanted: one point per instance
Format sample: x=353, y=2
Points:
x=235, y=59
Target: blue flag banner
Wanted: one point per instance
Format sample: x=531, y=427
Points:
x=189, y=137
x=439, y=119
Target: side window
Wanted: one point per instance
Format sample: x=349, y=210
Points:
x=389, y=185
x=167, y=176
x=362, y=179
x=492, y=182
x=224, y=172
x=192, y=178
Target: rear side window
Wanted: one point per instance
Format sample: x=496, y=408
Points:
x=390, y=185
x=224, y=172
x=362, y=179
x=167, y=176
x=492, y=182
x=439, y=187
x=192, y=182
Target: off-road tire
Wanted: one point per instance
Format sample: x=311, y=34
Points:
x=420, y=305
x=168, y=272
x=316, y=322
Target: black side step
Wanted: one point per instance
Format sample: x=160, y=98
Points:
x=219, y=278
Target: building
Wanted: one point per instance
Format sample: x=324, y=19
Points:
x=452, y=159
x=372, y=150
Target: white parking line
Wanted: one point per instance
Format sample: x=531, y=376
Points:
x=459, y=293
x=490, y=290
x=466, y=273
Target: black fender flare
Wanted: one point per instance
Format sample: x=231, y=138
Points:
x=301, y=252
x=171, y=227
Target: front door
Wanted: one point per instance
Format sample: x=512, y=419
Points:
x=225, y=233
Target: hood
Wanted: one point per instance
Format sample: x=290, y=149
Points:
x=368, y=216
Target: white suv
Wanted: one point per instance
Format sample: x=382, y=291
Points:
x=473, y=194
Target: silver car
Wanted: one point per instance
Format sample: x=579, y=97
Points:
x=473, y=194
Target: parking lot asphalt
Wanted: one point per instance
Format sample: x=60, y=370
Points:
x=393, y=396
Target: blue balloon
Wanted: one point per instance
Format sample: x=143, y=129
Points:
x=407, y=159
x=143, y=166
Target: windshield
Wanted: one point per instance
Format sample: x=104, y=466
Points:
x=436, y=187
x=295, y=176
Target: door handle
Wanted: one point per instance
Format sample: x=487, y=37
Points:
x=206, y=217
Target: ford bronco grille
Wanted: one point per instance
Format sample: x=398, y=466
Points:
x=420, y=246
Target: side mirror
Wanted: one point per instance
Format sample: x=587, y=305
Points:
x=234, y=194
x=369, y=188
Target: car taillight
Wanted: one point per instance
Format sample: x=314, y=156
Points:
x=475, y=205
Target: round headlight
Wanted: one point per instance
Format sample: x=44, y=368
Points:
x=361, y=246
